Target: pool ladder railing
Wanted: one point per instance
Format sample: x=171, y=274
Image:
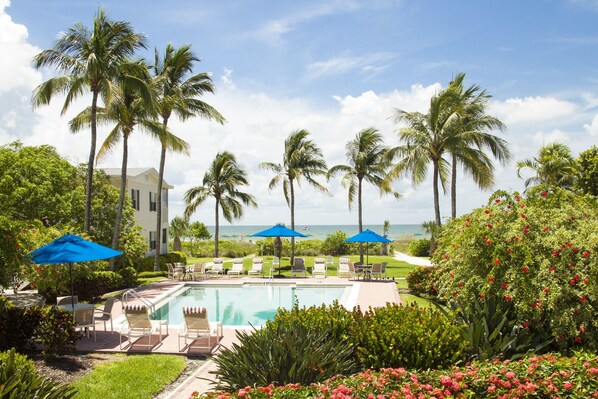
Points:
x=132, y=293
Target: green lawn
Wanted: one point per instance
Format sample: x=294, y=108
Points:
x=422, y=302
x=134, y=377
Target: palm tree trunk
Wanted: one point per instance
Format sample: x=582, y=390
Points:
x=91, y=161
x=159, y=201
x=360, y=217
x=454, y=188
x=436, y=196
x=217, y=228
x=292, y=221
x=121, y=198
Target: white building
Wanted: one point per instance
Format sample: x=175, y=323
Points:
x=142, y=184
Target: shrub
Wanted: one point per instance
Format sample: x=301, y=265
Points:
x=266, y=247
x=146, y=264
x=281, y=354
x=539, y=252
x=308, y=247
x=335, y=244
x=56, y=331
x=411, y=337
x=152, y=274
x=129, y=277
x=92, y=286
x=18, y=379
x=547, y=376
x=419, y=247
x=17, y=325
x=423, y=281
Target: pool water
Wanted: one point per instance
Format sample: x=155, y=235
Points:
x=246, y=304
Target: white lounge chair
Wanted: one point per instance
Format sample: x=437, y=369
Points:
x=196, y=325
x=139, y=325
x=257, y=267
x=343, y=268
x=237, y=269
x=217, y=267
x=319, y=267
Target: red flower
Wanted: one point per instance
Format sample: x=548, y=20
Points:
x=586, y=254
x=583, y=298
x=545, y=229
x=546, y=291
x=556, y=253
x=582, y=330
x=489, y=226
x=534, y=305
x=576, y=277
x=496, y=262
x=516, y=238
x=507, y=298
x=467, y=220
x=482, y=296
x=525, y=324
x=488, y=242
x=487, y=212
x=490, y=278
x=572, y=282
x=524, y=269
x=523, y=216
x=552, y=268
x=586, y=281
x=497, y=201
x=544, y=194
x=504, y=285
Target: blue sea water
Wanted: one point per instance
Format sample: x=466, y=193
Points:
x=320, y=232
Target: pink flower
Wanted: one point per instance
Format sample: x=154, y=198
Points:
x=567, y=385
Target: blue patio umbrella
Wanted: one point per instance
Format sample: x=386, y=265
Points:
x=71, y=249
x=367, y=236
x=278, y=231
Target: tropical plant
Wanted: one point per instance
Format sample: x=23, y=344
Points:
x=178, y=93
x=587, y=172
x=385, y=230
x=302, y=159
x=179, y=227
x=89, y=61
x=131, y=107
x=222, y=182
x=367, y=161
x=554, y=167
x=471, y=128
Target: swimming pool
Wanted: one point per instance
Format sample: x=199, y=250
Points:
x=244, y=304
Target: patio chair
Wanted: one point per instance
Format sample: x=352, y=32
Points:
x=237, y=268
x=199, y=270
x=217, y=267
x=383, y=272
x=106, y=313
x=376, y=270
x=298, y=267
x=356, y=269
x=196, y=325
x=66, y=300
x=84, y=321
x=172, y=271
x=139, y=325
x=257, y=267
x=343, y=268
x=319, y=267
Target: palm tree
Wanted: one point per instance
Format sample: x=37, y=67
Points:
x=88, y=60
x=178, y=227
x=131, y=106
x=472, y=138
x=385, y=230
x=302, y=158
x=426, y=142
x=367, y=161
x=178, y=92
x=554, y=166
x=221, y=182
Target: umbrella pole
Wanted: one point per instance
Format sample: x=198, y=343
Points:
x=72, y=289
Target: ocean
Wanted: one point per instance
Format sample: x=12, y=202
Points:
x=320, y=232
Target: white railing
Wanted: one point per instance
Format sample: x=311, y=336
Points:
x=134, y=294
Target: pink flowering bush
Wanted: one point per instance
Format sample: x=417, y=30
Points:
x=547, y=376
x=538, y=254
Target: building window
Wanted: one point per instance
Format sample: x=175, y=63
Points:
x=152, y=202
x=164, y=232
x=135, y=199
x=152, y=240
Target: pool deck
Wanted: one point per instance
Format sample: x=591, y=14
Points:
x=371, y=294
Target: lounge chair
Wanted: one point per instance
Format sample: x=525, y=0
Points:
x=237, y=268
x=343, y=268
x=139, y=325
x=298, y=267
x=66, y=300
x=319, y=267
x=106, y=313
x=196, y=325
x=217, y=267
x=257, y=267
x=275, y=265
x=84, y=320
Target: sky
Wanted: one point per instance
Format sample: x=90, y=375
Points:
x=332, y=68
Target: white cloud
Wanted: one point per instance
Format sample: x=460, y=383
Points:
x=556, y=136
x=592, y=128
x=530, y=110
x=367, y=64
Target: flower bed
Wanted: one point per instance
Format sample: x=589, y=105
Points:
x=547, y=376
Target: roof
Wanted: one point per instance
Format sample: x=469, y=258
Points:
x=133, y=173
